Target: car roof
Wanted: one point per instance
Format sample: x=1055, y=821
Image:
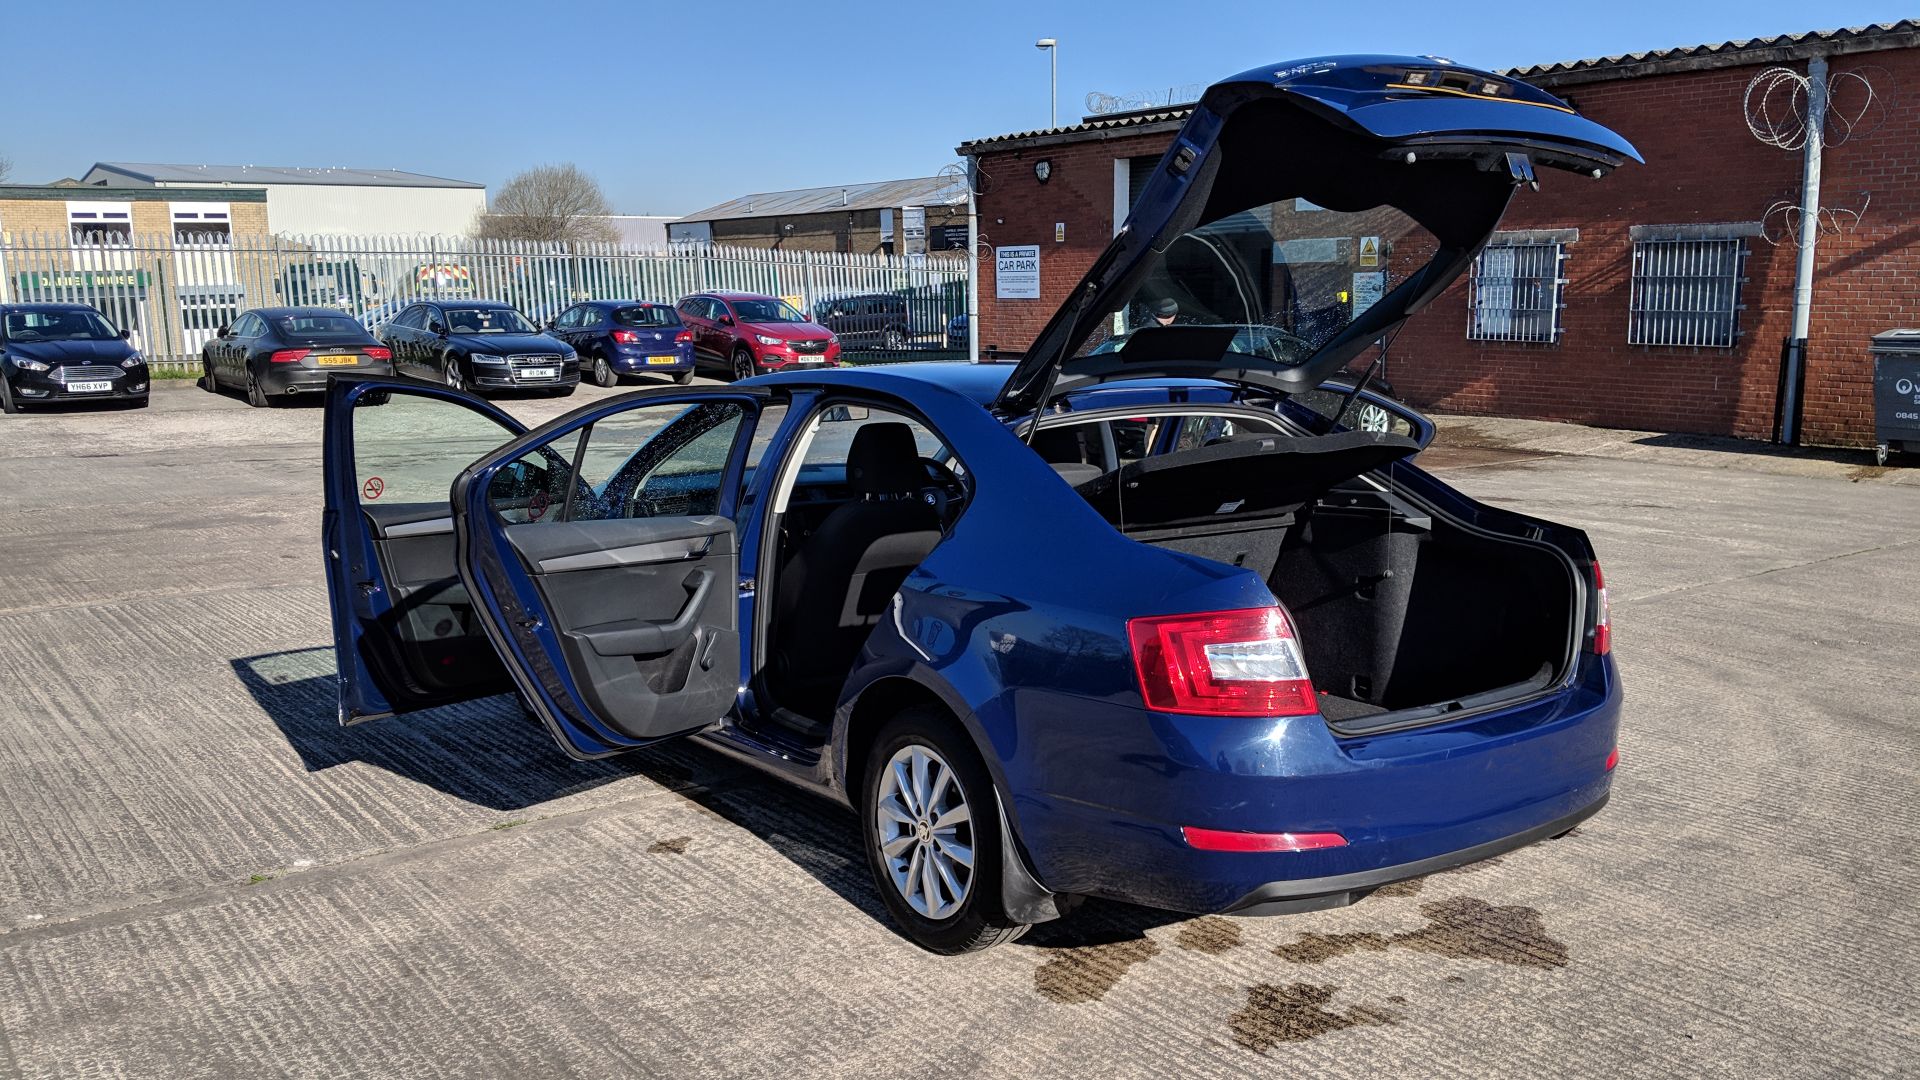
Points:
x=50, y=305
x=311, y=309
x=730, y=294
x=982, y=383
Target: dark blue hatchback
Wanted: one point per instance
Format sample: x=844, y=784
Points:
x=1163, y=621
x=621, y=338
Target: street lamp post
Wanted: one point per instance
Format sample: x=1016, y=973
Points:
x=1052, y=48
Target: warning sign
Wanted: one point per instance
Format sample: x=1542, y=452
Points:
x=373, y=488
x=1369, y=251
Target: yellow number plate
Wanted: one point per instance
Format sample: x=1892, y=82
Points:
x=334, y=361
x=663, y=359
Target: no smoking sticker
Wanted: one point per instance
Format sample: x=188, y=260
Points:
x=373, y=487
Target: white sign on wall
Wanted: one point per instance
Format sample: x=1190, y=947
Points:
x=1016, y=272
x=1368, y=287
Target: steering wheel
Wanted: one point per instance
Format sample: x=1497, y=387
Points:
x=944, y=492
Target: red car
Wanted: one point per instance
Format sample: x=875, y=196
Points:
x=746, y=334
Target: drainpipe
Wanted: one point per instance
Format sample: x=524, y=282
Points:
x=1793, y=371
x=973, y=266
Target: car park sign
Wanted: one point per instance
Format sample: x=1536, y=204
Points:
x=1016, y=272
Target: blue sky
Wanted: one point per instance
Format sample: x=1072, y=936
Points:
x=678, y=106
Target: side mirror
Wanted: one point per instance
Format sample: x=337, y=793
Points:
x=726, y=320
x=223, y=332
x=437, y=327
x=126, y=335
x=553, y=324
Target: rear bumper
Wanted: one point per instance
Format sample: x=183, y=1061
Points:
x=298, y=379
x=637, y=360
x=1101, y=796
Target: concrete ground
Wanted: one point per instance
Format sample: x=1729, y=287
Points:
x=201, y=875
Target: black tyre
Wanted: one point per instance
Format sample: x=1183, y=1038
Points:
x=256, y=396
x=683, y=377
x=930, y=828
x=603, y=374
x=7, y=404
x=207, y=382
x=743, y=365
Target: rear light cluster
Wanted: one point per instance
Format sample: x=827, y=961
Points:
x=626, y=337
x=1222, y=663
x=376, y=352
x=683, y=337
x=289, y=356
x=1603, y=622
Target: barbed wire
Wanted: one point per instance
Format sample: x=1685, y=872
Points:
x=1781, y=222
x=1103, y=104
x=1776, y=106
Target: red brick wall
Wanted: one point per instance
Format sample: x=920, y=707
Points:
x=1703, y=166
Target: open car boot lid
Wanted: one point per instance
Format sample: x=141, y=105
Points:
x=1436, y=145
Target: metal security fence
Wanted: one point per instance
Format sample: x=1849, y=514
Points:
x=1686, y=292
x=173, y=292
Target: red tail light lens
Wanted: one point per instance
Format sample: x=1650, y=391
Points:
x=376, y=352
x=1217, y=840
x=1222, y=663
x=1603, y=622
x=1613, y=759
x=683, y=337
x=289, y=356
x=626, y=337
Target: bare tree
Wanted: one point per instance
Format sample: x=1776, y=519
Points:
x=555, y=204
x=6, y=169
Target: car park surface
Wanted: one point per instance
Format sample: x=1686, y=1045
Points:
x=204, y=874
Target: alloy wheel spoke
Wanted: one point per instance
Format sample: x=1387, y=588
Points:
x=940, y=784
x=954, y=817
x=942, y=866
x=930, y=884
x=891, y=808
x=903, y=785
x=897, y=846
x=920, y=766
x=955, y=850
x=912, y=884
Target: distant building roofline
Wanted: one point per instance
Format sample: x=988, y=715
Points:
x=161, y=173
x=918, y=191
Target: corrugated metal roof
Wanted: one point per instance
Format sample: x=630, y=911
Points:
x=923, y=191
x=1902, y=34
x=155, y=173
x=1891, y=35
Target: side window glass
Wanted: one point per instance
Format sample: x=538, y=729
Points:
x=1198, y=431
x=770, y=420
x=1360, y=416
x=662, y=460
x=407, y=448
x=841, y=423
x=1133, y=439
x=534, y=487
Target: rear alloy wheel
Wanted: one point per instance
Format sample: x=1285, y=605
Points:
x=454, y=380
x=932, y=837
x=896, y=339
x=742, y=365
x=256, y=396
x=603, y=374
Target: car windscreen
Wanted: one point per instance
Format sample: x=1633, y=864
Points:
x=28, y=326
x=766, y=311
x=487, y=321
x=304, y=328
x=1288, y=276
x=647, y=315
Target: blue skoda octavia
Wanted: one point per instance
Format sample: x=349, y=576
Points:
x=1141, y=616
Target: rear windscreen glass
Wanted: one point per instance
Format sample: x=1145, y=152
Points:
x=320, y=328
x=647, y=315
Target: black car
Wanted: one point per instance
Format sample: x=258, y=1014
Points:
x=66, y=352
x=278, y=352
x=479, y=345
x=867, y=321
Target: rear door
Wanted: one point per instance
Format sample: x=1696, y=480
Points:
x=613, y=597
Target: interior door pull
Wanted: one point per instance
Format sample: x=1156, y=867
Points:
x=642, y=638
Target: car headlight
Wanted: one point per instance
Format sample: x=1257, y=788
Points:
x=133, y=361
x=833, y=339
x=28, y=365
x=486, y=358
x=569, y=357
x=765, y=340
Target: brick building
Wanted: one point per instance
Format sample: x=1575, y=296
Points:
x=1709, y=206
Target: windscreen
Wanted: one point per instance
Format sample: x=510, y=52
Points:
x=766, y=311
x=56, y=325
x=487, y=321
x=1288, y=276
x=647, y=315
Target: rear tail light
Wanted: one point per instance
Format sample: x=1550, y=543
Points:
x=1222, y=663
x=1218, y=840
x=1603, y=621
x=376, y=352
x=289, y=356
x=683, y=337
x=626, y=337
x=1613, y=759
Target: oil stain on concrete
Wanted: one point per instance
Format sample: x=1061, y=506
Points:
x=676, y=846
x=1085, y=973
x=1463, y=928
x=1209, y=934
x=1296, y=1012
x=1409, y=887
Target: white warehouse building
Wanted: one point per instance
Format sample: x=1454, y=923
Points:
x=335, y=201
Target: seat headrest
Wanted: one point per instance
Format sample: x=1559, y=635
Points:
x=884, y=460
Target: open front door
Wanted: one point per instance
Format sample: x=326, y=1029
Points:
x=404, y=631
x=613, y=599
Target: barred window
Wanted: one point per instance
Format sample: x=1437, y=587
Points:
x=1513, y=293
x=1686, y=289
